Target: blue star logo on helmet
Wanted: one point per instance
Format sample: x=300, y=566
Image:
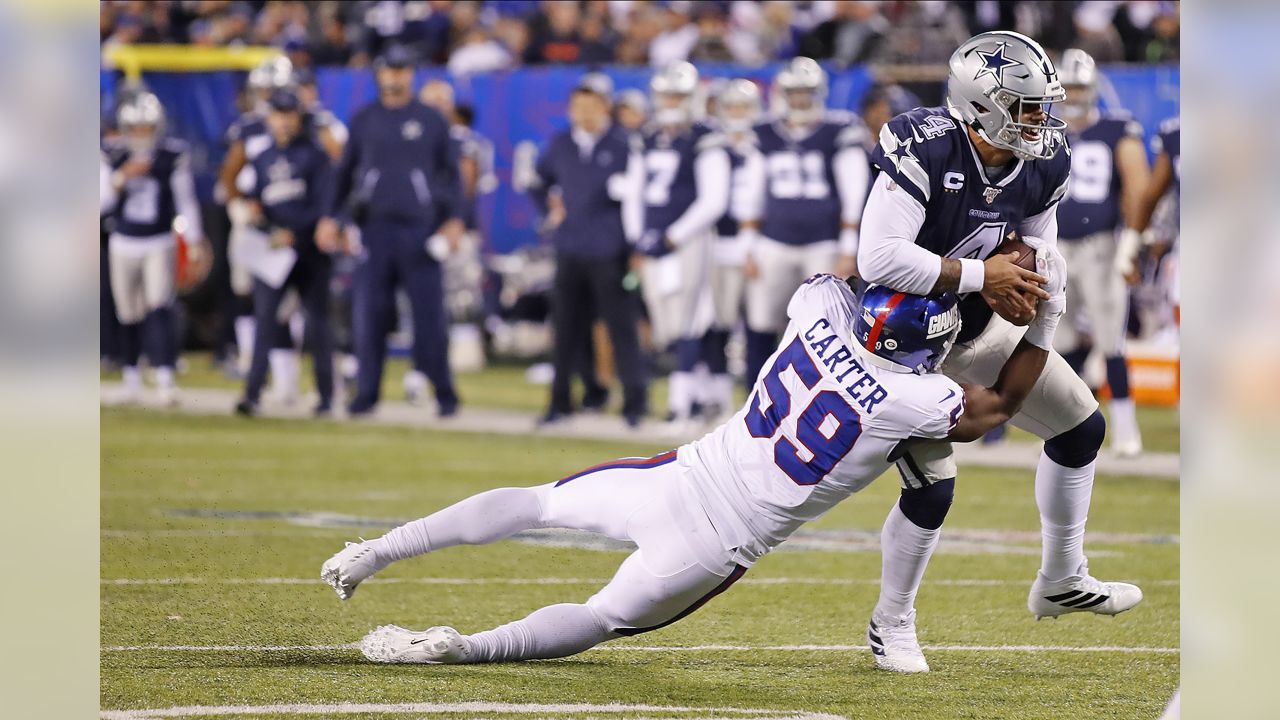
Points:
x=994, y=64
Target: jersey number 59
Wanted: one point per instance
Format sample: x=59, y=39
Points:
x=825, y=430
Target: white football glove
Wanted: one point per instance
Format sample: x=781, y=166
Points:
x=1050, y=264
x=1127, y=246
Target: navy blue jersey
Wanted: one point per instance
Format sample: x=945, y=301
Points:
x=802, y=203
x=727, y=226
x=250, y=129
x=1092, y=203
x=669, y=183
x=1169, y=141
x=472, y=145
x=146, y=206
x=292, y=183
x=927, y=153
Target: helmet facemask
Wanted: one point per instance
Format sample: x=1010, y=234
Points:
x=1021, y=124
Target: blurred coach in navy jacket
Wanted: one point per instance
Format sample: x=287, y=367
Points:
x=398, y=181
x=586, y=165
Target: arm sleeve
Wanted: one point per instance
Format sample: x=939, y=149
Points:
x=852, y=173
x=183, y=185
x=747, y=200
x=1043, y=226
x=897, y=154
x=711, y=174
x=887, y=251
x=633, y=198
x=945, y=405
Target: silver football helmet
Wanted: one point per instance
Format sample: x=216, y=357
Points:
x=673, y=89
x=1079, y=76
x=274, y=73
x=995, y=80
x=739, y=106
x=141, y=120
x=800, y=89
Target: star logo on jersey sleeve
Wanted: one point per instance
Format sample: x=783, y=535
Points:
x=994, y=64
x=902, y=153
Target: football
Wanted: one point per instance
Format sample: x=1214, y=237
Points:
x=1013, y=243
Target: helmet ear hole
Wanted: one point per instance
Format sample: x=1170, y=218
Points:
x=980, y=107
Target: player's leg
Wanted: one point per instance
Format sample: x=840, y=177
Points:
x=727, y=284
x=907, y=542
x=160, y=329
x=318, y=330
x=131, y=308
x=766, y=302
x=617, y=307
x=1070, y=340
x=423, y=278
x=599, y=499
x=266, y=300
x=240, y=235
x=1061, y=410
x=690, y=310
x=372, y=313
x=1109, y=311
x=666, y=579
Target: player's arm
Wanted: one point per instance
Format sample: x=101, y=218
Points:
x=542, y=179
x=1159, y=183
x=750, y=208
x=852, y=173
x=333, y=138
x=986, y=408
x=183, y=185
x=631, y=195
x=711, y=177
x=1135, y=176
x=232, y=164
x=106, y=188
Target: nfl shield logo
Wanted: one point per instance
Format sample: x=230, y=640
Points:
x=411, y=130
x=990, y=194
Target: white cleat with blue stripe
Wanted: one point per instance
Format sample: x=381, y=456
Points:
x=1081, y=593
x=894, y=644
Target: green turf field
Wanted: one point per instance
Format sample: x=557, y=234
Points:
x=192, y=557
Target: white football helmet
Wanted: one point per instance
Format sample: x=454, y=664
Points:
x=995, y=78
x=739, y=106
x=800, y=89
x=673, y=89
x=141, y=120
x=1079, y=76
x=274, y=73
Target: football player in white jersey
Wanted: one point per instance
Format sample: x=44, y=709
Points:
x=849, y=385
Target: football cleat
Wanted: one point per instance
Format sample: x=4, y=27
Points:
x=347, y=569
x=895, y=646
x=1081, y=593
x=433, y=646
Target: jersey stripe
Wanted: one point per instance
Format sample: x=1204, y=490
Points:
x=632, y=463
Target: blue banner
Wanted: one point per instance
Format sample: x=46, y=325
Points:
x=528, y=104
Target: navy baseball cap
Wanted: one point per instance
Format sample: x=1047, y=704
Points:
x=396, y=56
x=283, y=101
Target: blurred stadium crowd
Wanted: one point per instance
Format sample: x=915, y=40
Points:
x=470, y=36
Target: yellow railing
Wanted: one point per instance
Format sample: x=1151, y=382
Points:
x=133, y=60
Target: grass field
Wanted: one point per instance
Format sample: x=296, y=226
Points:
x=213, y=531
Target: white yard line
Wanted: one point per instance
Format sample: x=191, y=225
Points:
x=465, y=708
x=678, y=648
x=958, y=582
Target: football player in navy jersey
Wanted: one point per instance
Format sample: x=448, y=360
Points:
x=246, y=138
x=149, y=193
x=1109, y=174
x=738, y=109
x=679, y=188
x=811, y=188
x=955, y=181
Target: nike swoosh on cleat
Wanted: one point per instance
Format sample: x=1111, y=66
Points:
x=419, y=640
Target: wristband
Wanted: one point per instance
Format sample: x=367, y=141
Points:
x=973, y=274
x=849, y=242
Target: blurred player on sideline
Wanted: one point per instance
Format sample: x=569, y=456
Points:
x=1166, y=177
x=739, y=109
x=810, y=188
x=150, y=194
x=679, y=189
x=954, y=182
x=1109, y=175
x=850, y=383
x=292, y=181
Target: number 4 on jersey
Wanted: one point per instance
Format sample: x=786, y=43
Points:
x=826, y=430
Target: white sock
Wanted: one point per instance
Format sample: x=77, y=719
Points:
x=905, y=549
x=680, y=395
x=132, y=377
x=1062, y=494
x=165, y=378
x=245, y=327
x=552, y=632
x=478, y=520
x=286, y=373
x=1123, y=422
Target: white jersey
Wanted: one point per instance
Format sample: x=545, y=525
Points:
x=822, y=422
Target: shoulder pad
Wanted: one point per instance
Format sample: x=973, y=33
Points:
x=710, y=139
x=854, y=133
x=827, y=295
x=840, y=117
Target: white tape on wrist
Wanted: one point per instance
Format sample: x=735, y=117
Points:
x=973, y=275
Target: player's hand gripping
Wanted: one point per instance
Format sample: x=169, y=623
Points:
x=1010, y=290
